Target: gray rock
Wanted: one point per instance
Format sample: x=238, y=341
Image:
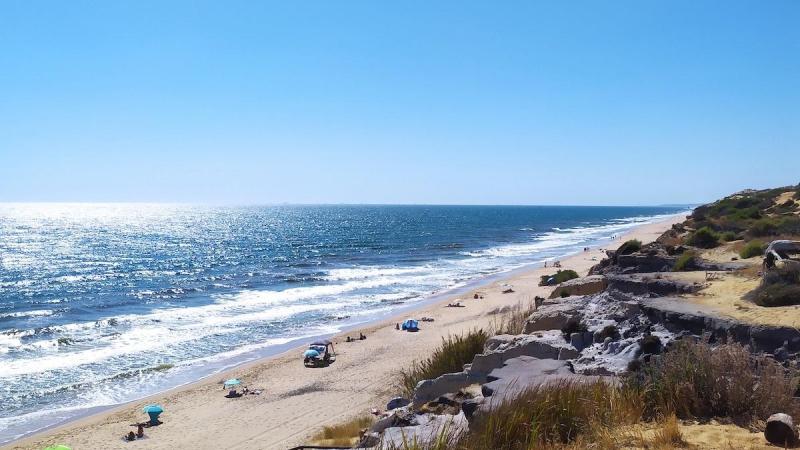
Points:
x=677, y=315
x=397, y=402
x=428, y=390
x=553, y=316
x=426, y=430
x=545, y=345
x=469, y=406
x=525, y=372
x=581, y=286
x=780, y=430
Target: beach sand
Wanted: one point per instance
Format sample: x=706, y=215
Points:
x=297, y=401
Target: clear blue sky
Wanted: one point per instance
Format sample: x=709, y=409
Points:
x=605, y=102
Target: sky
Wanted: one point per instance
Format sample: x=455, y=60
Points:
x=528, y=102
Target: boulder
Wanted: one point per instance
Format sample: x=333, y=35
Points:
x=553, y=315
x=780, y=430
x=581, y=286
x=471, y=405
x=428, y=390
x=426, y=430
x=546, y=345
x=525, y=372
x=397, y=402
x=649, y=285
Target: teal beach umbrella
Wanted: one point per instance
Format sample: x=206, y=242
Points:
x=233, y=382
x=157, y=409
x=153, y=411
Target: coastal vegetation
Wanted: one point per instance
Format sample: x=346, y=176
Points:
x=630, y=246
x=450, y=356
x=559, y=277
x=704, y=237
x=343, y=434
x=752, y=248
x=769, y=212
x=691, y=381
x=684, y=261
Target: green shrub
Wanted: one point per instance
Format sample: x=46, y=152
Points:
x=631, y=246
x=764, y=227
x=684, y=262
x=704, y=237
x=753, y=248
x=558, y=277
x=778, y=294
x=449, y=357
x=728, y=236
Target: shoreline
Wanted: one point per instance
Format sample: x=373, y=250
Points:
x=186, y=424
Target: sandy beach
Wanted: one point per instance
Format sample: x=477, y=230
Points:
x=296, y=401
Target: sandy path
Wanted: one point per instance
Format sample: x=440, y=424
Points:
x=298, y=401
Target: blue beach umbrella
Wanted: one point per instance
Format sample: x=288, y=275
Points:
x=233, y=382
x=311, y=353
x=153, y=411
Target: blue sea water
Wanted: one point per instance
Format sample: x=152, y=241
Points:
x=104, y=303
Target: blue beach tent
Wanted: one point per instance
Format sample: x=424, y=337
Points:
x=411, y=325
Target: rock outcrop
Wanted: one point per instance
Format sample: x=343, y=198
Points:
x=580, y=286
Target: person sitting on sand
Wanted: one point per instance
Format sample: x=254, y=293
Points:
x=130, y=437
x=361, y=336
x=140, y=431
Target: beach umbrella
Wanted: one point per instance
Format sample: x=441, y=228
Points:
x=233, y=382
x=57, y=447
x=311, y=353
x=155, y=409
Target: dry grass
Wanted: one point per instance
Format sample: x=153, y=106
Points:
x=694, y=380
x=669, y=435
x=449, y=357
x=344, y=434
x=690, y=381
x=551, y=415
x=513, y=321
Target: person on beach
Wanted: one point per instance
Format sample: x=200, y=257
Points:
x=140, y=431
x=130, y=437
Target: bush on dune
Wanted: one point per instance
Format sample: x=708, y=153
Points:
x=558, y=277
x=704, y=237
x=631, y=246
x=780, y=294
x=763, y=227
x=728, y=236
x=684, y=262
x=753, y=248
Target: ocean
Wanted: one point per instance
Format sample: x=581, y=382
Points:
x=106, y=303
